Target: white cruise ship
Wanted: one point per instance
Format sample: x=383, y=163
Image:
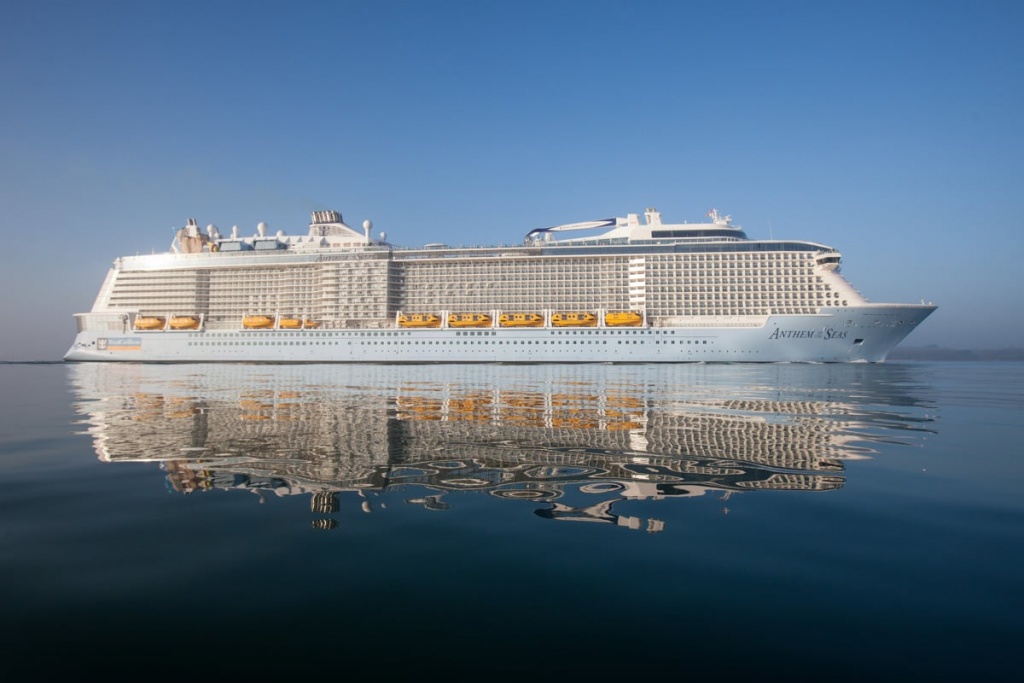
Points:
x=616, y=290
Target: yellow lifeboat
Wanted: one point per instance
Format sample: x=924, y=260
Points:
x=469, y=320
x=184, y=322
x=623, y=319
x=419, y=320
x=257, y=322
x=520, y=320
x=310, y=324
x=290, y=323
x=149, y=322
x=573, y=319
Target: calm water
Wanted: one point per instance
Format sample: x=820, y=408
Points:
x=805, y=522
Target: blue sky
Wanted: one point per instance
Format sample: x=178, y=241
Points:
x=892, y=131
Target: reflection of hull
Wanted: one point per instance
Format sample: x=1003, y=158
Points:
x=518, y=437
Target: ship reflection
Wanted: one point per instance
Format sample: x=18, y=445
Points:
x=572, y=441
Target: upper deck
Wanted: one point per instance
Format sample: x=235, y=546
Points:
x=630, y=230
x=329, y=238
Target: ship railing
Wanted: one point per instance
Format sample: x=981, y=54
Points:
x=171, y=260
x=699, y=321
x=104, y=322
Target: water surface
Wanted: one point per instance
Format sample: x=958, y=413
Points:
x=808, y=521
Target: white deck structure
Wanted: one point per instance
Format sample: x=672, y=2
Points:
x=614, y=290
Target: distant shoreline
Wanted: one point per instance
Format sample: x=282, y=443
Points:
x=934, y=352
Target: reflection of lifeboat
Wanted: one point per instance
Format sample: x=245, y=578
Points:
x=520, y=320
x=257, y=322
x=469, y=320
x=290, y=323
x=419, y=320
x=311, y=324
x=184, y=322
x=573, y=423
x=620, y=401
x=149, y=322
x=573, y=319
x=623, y=319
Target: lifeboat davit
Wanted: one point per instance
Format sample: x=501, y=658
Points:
x=257, y=322
x=184, y=322
x=150, y=322
x=521, y=320
x=623, y=319
x=419, y=320
x=575, y=319
x=469, y=320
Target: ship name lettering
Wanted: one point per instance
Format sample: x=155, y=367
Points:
x=825, y=333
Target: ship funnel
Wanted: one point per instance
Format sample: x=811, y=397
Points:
x=326, y=217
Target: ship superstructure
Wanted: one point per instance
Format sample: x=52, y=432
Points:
x=620, y=289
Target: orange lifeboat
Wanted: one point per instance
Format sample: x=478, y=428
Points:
x=575, y=319
x=469, y=320
x=184, y=322
x=150, y=322
x=520, y=320
x=257, y=322
x=419, y=320
x=290, y=323
x=310, y=324
x=623, y=319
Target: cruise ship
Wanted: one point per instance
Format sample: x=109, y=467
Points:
x=630, y=289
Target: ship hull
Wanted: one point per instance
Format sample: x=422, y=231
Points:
x=835, y=335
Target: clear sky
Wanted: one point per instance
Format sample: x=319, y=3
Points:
x=893, y=131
